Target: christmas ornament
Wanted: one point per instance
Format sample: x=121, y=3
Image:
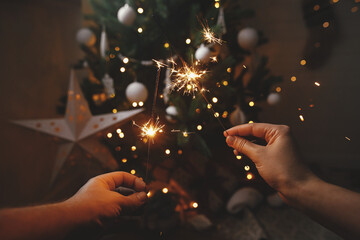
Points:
x=237, y=117
x=203, y=53
x=242, y=198
x=221, y=20
x=274, y=200
x=273, y=99
x=248, y=38
x=108, y=83
x=200, y=222
x=77, y=127
x=136, y=92
x=103, y=43
x=85, y=36
x=171, y=113
x=126, y=15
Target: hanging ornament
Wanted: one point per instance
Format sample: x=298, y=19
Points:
x=221, y=21
x=248, y=38
x=237, y=117
x=126, y=15
x=136, y=92
x=85, y=36
x=103, y=43
x=203, y=53
x=242, y=198
x=171, y=113
x=108, y=83
x=273, y=99
x=78, y=126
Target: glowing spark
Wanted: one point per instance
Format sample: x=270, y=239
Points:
x=159, y=64
x=301, y=118
x=348, y=139
x=214, y=59
x=187, y=79
x=150, y=129
x=317, y=84
x=209, y=35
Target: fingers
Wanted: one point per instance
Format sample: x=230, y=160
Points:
x=133, y=201
x=116, y=179
x=260, y=130
x=241, y=145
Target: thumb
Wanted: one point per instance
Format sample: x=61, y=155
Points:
x=133, y=201
x=241, y=145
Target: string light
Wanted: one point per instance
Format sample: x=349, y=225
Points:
x=133, y=148
x=165, y=190
x=118, y=149
x=209, y=106
x=112, y=55
x=109, y=135
x=228, y=70
x=125, y=60
x=117, y=49
x=121, y=135
x=293, y=79
x=316, y=7
x=149, y=194
x=133, y=171
x=354, y=9
x=180, y=152
x=238, y=157
x=249, y=176
x=326, y=24
x=122, y=69
x=140, y=10
x=141, y=104
x=215, y=100
x=188, y=41
x=134, y=104
x=166, y=45
x=216, y=114
x=195, y=205
x=140, y=30
x=217, y=5
x=199, y=127
x=167, y=151
x=114, y=110
x=347, y=138
x=301, y=118
x=251, y=121
x=311, y=105
x=118, y=130
x=225, y=114
x=124, y=160
x=303, y=62
x=251, y=103
x=278, y=89
x=225, y=83
x=317, y=84
x=247, y=168
x=185, y=134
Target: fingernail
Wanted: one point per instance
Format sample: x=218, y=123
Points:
x=230, y=140
x=141, y=196
x=140, y=183
x=225, y=133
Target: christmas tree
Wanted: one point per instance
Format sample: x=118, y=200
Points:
x=185, y=162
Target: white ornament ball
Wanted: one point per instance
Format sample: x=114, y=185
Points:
x=275, y=200
x=273, y=99
x=248, y=38
x=136, y=92
x=244, y=197
x=126, y=15
x=85, y=36
x=203, y=54
x=237, y=117
x=171, y=113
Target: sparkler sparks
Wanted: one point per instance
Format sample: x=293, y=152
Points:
x=150, y=129
x=209, y=35
x=187, y=79
x=159, y=64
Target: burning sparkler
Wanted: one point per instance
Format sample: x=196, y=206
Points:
x=150, y=128
x=209, y=35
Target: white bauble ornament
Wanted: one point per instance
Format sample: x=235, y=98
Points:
x=136, y=92
x=126, y=15
x=103, y=43
x=273, y=99
x=237, y=117
x=203, y=53
x=248, y=38
x=274, y=200
x=85, y=36
x=108, y=83
x=171, y=113
x=244, y=197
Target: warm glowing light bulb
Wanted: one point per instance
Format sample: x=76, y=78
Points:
x=121, y=135
x=278, y=89
x=167, y=151
x=118, y=130
x=133, y=171
x=228, y=70
x=247, y=168
x=180, y=152
x=225, y=83
x=249, y=176
x=216, y=114
x=225, y=114
x=303, y=62
x=122, y=69
x=140, y=30
x=117, y=49
x=188, y=41
x=134, y=104
x=215, y=100
x=217, y=5
x=185, y=134
x=141, y=104
x=194, y=204
x=114, y=110
x=316, y=7
x=199, y=127
x=301, y=118
x=326, y=24
x=165, y=190
x=166, y=45
x=109, y=135
x=124, y=160
x=251, y=121
x=140, y=10
x=293, y=79
x=133, y=148
x=317, y=84
x=209, y=106
x=125, y=60
x=148, y=194
x=239, y=157
x=251, y=103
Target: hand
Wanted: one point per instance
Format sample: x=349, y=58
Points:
x=98, y=200
x=278, y=162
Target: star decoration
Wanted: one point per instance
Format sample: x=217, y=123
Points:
x=77, y=126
